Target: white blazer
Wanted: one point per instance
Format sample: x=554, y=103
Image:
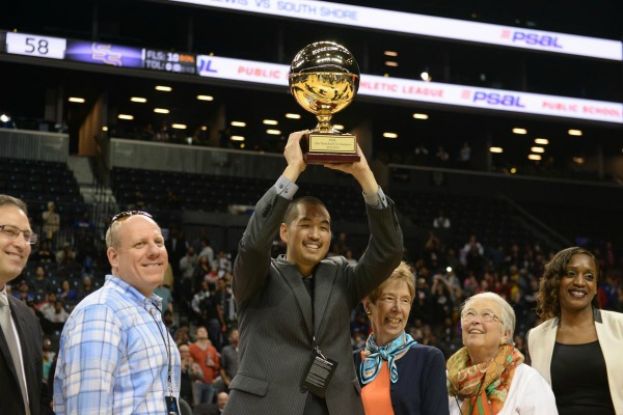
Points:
x=609, y=326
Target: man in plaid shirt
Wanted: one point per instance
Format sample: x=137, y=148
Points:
x=116, y=355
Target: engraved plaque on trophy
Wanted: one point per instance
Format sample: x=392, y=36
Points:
x=324, y=78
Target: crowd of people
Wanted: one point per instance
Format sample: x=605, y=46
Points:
x=457, y=327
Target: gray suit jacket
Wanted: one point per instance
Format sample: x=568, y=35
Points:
x=275, y=314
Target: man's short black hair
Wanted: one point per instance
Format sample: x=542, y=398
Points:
x=292, y=211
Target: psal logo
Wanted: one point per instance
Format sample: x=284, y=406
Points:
x=494, y=99
x=531, y=38
x=205, y=65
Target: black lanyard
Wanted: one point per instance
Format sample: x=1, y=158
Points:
x=168, y=349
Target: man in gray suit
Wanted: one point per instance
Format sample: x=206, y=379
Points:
x=294, y=310
x=20, y=332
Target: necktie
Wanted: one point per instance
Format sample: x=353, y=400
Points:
x=11, y=340
x=309, y=284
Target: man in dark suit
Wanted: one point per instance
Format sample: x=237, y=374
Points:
x=294, y=310
x=20, y=332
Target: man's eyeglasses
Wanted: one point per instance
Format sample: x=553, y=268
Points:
x=12, y=232
x=127, y=213
x=486, y=316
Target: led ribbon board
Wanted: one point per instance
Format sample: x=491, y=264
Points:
x=277, y=75
x=419, y=24
x=420, y=91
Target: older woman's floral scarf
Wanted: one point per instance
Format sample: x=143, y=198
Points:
x=484, y=386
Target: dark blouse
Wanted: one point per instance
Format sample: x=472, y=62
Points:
x=421, y=388
x=580, y=380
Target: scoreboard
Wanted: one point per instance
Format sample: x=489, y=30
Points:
x=159, y=60
x=101, y=53
x=35, y=45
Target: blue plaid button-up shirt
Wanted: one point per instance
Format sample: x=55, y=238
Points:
x=113, y=355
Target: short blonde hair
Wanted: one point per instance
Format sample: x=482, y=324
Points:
x=508, y=314
x=401, y=273
x=112, y=241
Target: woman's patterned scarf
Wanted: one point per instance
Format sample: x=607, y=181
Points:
x=373, y=356
x=484, y=386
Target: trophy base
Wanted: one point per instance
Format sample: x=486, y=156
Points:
x=330, y=158
x=322, y=148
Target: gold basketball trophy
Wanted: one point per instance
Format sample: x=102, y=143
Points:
x=324, y=78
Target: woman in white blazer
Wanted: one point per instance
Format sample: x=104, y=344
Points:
x=578, y=348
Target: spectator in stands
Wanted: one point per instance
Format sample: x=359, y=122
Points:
x=209, y=312
x=51, y=222
x=67, y=294
x=202, y=293
x=206, y=355
x=421, y=154
x=46, y=306
x=203, y=272
x=40, y=284
x=163, y=134
x=470, y=285
x=176, y=247
x=169, y=279
x=44, y=253
x=167, y=299
x=487, y=375
x=432, y=251
x=207, y=252
x=47, y=357
x=442, y=156
x=182, y=335
x=349, y=257
x=191, y=372
x=441, y=297
x=293, y=285
x=465, y=155
x=441, y=221
x=230, y=312
x=57, y=314
x=20, y=332
x=213, y=409
x=24, y=293
x=399, y=376
x=472, y=254
x=575, y=330
x=188, y=263
x=148, y=132
x=115, y=352
x=184, y=287
x=87, y=287
x=341, y=244
x=223, y=261
x=66, y=254
x=229, y=358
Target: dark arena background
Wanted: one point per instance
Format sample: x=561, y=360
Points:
x=496, y=128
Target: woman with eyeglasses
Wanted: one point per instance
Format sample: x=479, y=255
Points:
x=578, y=347
x=487, y=375
x=399, y=376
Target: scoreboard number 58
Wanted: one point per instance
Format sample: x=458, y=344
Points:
x=32, y=45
